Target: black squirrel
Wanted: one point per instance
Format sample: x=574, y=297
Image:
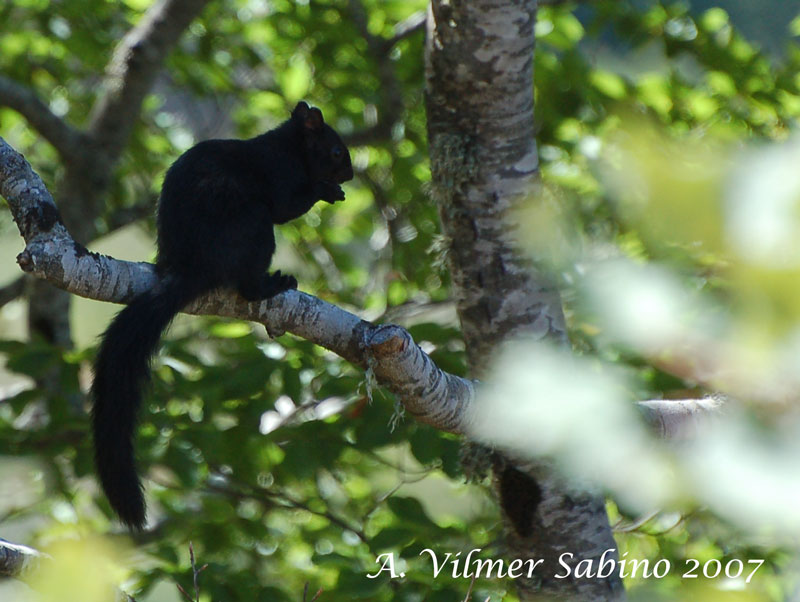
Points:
x=216, y=212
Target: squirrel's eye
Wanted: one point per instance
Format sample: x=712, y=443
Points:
x=337, y=152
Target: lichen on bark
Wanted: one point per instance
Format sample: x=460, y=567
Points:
x=479, y=100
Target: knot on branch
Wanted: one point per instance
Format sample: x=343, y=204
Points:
x=25, y=261
x=388, y=340
x=429, y=394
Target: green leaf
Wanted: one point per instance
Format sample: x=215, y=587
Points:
x=357, y=586
x=409, y=510
x=794, y=26
x=393, y=538
x=608, y=83
x=230, y=330
x=296, y=78
x=714, y=19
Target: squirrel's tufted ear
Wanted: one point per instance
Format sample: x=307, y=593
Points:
x=313, y=120
x=310, y=117
x=300, y=111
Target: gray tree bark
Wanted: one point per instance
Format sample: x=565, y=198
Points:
x=484, y=161
x=479, y=99
x=443, y=400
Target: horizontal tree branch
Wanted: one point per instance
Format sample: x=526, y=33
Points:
x=119, y=219
x=17, y=560
x=431, y=395
x=51, y=254
x=678, y=419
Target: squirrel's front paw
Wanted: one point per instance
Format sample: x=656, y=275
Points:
x=283, y=282
x=338, y=194
x=329, y=192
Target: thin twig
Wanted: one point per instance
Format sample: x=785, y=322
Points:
x=12, y=291
x=406, y=28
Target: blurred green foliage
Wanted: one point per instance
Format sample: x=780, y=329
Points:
x=268, y=455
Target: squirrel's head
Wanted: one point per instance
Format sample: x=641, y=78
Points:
x=327, y=157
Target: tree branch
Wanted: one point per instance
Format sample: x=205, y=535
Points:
x=12, y=291
x=119, y=219
x=680, y=418
x=432, y=396
x=392, y=100
x=17, y=560
x=405, y=28
x=125, y=216
x=66, y=140
x=133, y=68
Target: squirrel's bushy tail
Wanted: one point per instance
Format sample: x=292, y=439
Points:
x=121, y=371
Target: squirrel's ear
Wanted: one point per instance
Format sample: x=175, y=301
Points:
x=300, y=111
x=313, y=120
x=311, y=117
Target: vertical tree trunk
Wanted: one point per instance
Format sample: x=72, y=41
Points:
x=479, y=100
